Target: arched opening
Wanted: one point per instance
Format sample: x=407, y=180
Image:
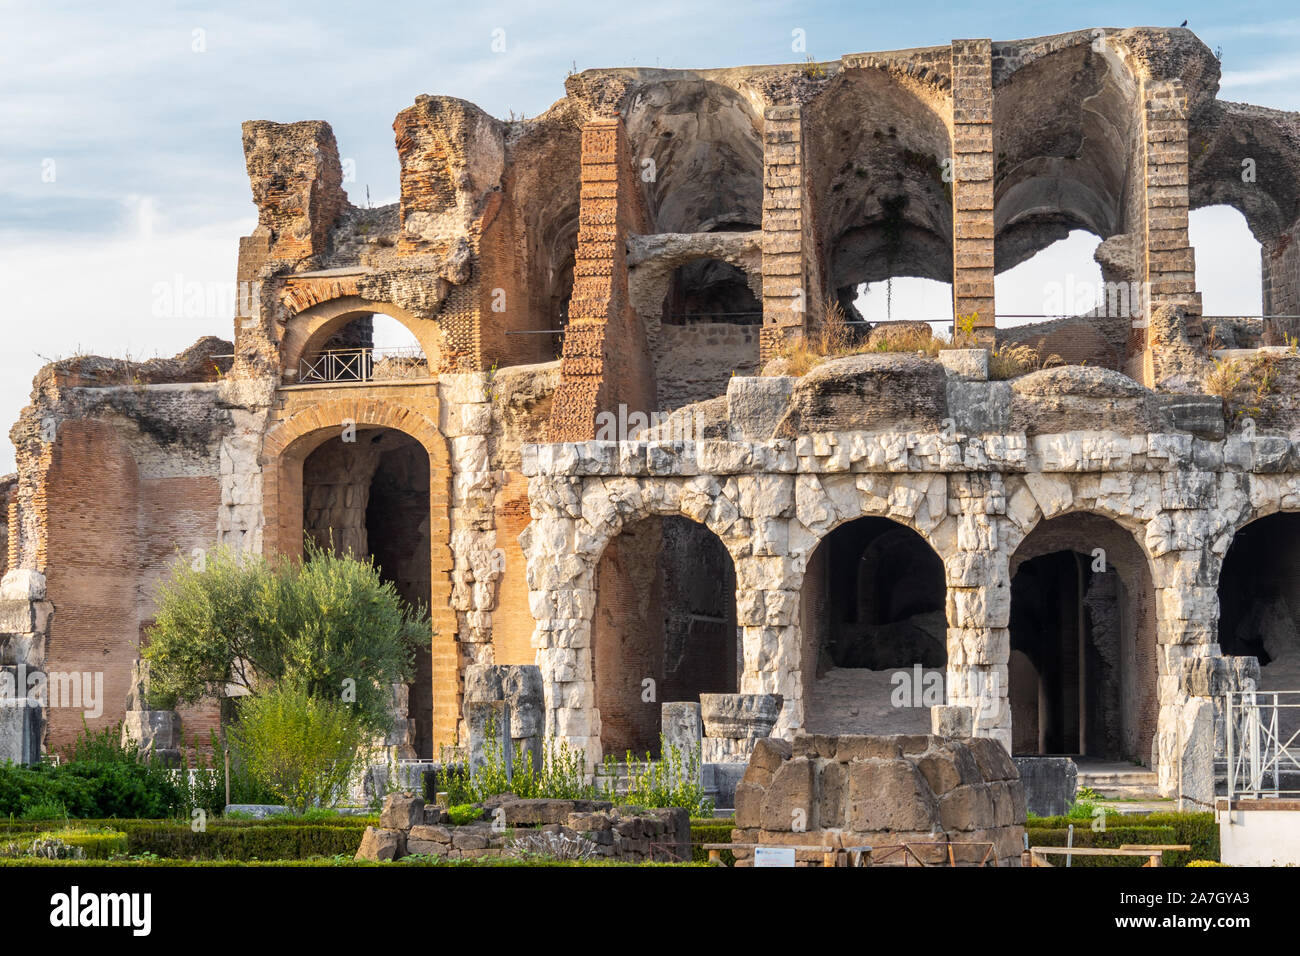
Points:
x=699, y=153
x=905, y=299
x=712, y=291
x=883, y=207
x=365, y=347
x=1228, y=276
x=1057, y=302
x=1065, y=250
x=367, y=493
x=1259, y=599
x=874, y=630
x=664, y=627
x=1083, y=642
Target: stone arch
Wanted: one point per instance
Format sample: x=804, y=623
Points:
x=285, y=448
x=307, y=331
x=881, y=206
x=664, y=610
x=873, y=606
x=1257, y=581
x=1063, y=126
x=1083, y=632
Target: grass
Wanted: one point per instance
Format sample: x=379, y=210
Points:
x=836, y=338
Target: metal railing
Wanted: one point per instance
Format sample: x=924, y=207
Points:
x=364, y=365
x=1262, y=742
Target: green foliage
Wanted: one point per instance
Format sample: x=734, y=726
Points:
x=302, y=748
x=562, y=776
x=464, y=813
x=44, y=808
x=326, y=625
x=670, y=782
x=711, y=830
x=263, y=841
x=104, y=778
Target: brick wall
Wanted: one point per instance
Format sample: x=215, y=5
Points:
x=605, y=360
x=785, y=218
x=972, y=186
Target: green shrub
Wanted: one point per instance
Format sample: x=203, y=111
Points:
x=711, y=830
x=303, y=748
x=464, y=813
x=670, y=782
x=326, y=624
x=44, y=808
x=265, y=841
x=1198, y=830
x=96, y=844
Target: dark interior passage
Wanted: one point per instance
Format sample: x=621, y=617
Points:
x=666, y=613
x=370, y=498
x=872, y=613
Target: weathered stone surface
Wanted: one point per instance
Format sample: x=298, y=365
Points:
x=381, y=845
x=740, y=716
x=401, y=811
x=889, y=795
x=1049, y=783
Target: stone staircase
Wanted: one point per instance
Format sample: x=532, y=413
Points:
x=1119, y=781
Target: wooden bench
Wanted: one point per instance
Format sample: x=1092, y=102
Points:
x=1153, y=852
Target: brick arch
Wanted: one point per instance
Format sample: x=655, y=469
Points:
x=286, y=446
x=311, y=327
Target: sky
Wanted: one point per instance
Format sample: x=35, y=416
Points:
x=122, y=172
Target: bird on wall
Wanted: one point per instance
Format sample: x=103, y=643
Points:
x=1183, y=24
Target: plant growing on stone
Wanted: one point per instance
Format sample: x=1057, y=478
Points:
x=670, y=782
x=302, y=748
x=327, y=624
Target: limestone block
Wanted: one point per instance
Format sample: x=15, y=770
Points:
x=22, y=584
x=740, y=716
x=401, y=811
x=951, y=721
x=683, y=731
x=21, y=727
x=968, y=364
x=381, y=845
x=889, y=795
x=789, y=802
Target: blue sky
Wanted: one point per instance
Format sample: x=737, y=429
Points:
x=121, y=165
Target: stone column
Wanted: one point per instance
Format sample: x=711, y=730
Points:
x=1169, y=266
x=683, y=729
x=972, y=185
x=786, y=295
x=489, y=723
x=562, y=599
x=979, y=606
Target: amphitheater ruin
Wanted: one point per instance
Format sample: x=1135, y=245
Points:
x=602, y=460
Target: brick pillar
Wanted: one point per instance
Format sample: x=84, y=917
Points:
x=1169, y=266
x=785, y=289
x=605, y=358
x=972, y=184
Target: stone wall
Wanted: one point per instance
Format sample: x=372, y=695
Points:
x=628, y=834
x=881, y=792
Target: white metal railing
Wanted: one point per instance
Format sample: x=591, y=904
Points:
x=1262, y=742
x=364, y=365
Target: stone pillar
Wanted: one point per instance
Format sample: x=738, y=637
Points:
x=488, y=722
x=1169, y=267
x=606, y=358
x=684, y=731
x=972, y=185
x=786, y=296
x=157, y=733
x=520, y=686
x=24, y=631
x=979, y=606
x=734, y=723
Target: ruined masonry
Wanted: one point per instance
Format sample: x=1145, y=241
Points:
x=597, y=456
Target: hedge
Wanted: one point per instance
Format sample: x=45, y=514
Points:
x=347, y=861
x=1198, y=830
x=97, y=845
x=711, y=830
x=242, y=840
